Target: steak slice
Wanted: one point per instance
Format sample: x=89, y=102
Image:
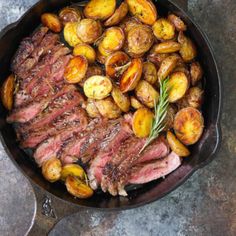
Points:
x=145, y=173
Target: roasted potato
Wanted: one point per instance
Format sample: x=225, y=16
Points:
x=139, y=40
x=92, y=109
x=170, y=116
x=51, y=21
x=97, y=87
x=70, y=34
x=100, y=58
x=129, y=23
x=93, y=70
x=135, y=103
x=144, y=10
x=89, y=30
x=7, y=92
x=146, y=93
x=99, y=9
x=76, y=69
x=118, y=15
x=122, y=100
x=78, y=188
x=188, y=125
x=167, y=47
x=182, y=68
x=86, y=51
x=163, y=29
x=177, y=22
x=69, y=14
x=176, y=146
x=188, y=49
x=157, y=58
x=72, y=170
x=108, y=108
x=51, y=169
x=177, y=86
x=167, y=66
x=142, y=122
x=116, y=64
x=149, y=72
x=196, y=73
x=131, y=76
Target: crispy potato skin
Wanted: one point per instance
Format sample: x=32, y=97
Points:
x=142, y=122
x=129, y=23
x=188, y=125
x=196, y=73
x=93, y=70
x=7, y=92
x=86, y=51
x=100, y=58
x=52, y=21
x=131, y=76
x=118, y=15
x=177, y=22
x=72, y=170
x=70, y=34
x=122, y=100
x=157, y=58
x=167, y=47
x=144, y=10
x=69, y=14
x=99, y=9
x=92, y=109
x=170, y=116
x=150, y=72
x=135, y=103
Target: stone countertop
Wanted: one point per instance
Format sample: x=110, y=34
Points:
x=204, y=205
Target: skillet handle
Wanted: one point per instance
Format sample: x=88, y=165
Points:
x=49, y=210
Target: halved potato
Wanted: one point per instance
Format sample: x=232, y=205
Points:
x=118, y=15
x=51, y=21
x=144, y=10
x=92, y=109
x=149, y=72
x=157, y=58
x=89, y=30
x=72, y=170
x=7, y=92
x=176, y=146
x=116, y=64
x=78, y=188
x=163, y=29
x=131, y=76
x=135, y=103
x=196, y=73
x=142, y=122
x=76, y=69
x=167, y=47
x=188, y=125
x=177, y=86
x=70, y=34
x=177, y=22
x=108, y=108
x=188, y=49
x=70, y=14
x=97, y=87
x=146, y=94
x=129, y=23
x=99, y=9
x=86, y=51
x=122, y=100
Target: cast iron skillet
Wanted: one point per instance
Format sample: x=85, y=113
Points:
x=202, y=152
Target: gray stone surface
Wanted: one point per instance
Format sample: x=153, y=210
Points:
x=204, y=205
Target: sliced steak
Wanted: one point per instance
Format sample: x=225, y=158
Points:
x=145, y=173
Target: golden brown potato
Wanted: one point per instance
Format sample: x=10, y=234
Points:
x=182, y=68
x=176, y=146
x=97, y=87
x=129, y=23
x=122, y=100
x=146, y=94
x=7, y=92
x=167, y=66
x=70, y=34
x=135, y=103
x=89, y=30
x=99, y=9
x=118, y=15
x=51, y=169
x=108, y=108
x=177, y=22
x=76, y=69
x=51, y=21
x=72, y=170
x=177, y=86
x=170, y=116
x=196, y=73
x=167, y=47
x=163, y=29
x=92, y=109
x=139, y=40
x=86, y=51
x=144, y=10
x=188, y=125
x=78, y=188
x=131, y=76
x=142, y=122
x=116, y=64
x=188, y=49
x=156, y=58
x=100, y=58
x=70, y=14
x=149, y=72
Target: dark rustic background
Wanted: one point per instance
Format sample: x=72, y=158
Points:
x=204, y=205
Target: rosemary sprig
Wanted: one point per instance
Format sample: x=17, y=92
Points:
x=160, y=114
